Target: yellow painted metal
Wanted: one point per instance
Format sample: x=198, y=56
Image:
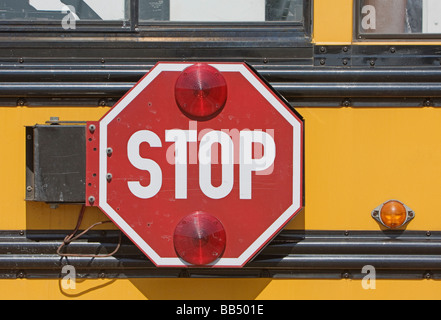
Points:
x=219, y=289
x=332, y=22
x=355, y=159
x=16, y=213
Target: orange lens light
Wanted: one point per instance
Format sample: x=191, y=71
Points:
x=393, y=214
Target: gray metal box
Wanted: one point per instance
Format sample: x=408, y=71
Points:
x=56, y=163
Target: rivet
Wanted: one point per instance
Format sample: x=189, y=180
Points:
x=21, y=102
x=346, y=103
x=427, y=102
x=92, y=128
x=91, y=199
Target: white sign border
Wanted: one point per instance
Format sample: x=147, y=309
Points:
x=263, y=238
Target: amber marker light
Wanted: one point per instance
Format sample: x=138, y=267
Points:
x=393, y=214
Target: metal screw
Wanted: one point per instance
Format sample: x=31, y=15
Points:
x=109, y=151
x=21, y=232
x=346, y=102
x=91, y=199
x=372, y=63
x=345, y=49
x=427, y=275
x=322, y=61
x=345, y=61
x=346, y=233
x=346, y=275
x=375, y=213
x=29, y=188
x=20, y=275
x=265, y=60
x=20, y=60
x=428, y=233
x=109, y=176
x=21, y=102
x=392, y=49
x=322, y=49
x=427, y=102
x=92, y=128
x=102, y=102
x=102, y=60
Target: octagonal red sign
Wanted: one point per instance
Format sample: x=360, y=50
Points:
x=198, y=164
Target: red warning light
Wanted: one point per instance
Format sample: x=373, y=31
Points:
x=201, y=92
x=199, y=238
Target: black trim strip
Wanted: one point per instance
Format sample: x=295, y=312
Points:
x=292, y=254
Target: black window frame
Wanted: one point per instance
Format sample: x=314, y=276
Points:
x=134, y=27
x=98, y=46
x=360, y=36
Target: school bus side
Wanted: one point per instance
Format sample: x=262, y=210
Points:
x=356, y=157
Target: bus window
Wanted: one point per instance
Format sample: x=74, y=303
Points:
x=398, y=18
x=221, y=11
x=56, y=10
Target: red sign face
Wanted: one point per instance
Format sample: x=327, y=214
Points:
x=198, y=164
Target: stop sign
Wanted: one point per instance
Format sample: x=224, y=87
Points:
x=198, y=164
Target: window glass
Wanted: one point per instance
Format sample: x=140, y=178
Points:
x=221, y=11
x=57, y=10
x=399, y=17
